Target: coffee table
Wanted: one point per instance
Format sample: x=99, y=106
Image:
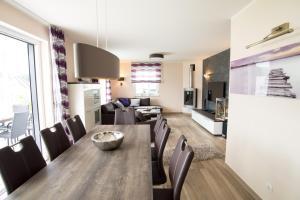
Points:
x=149, y=112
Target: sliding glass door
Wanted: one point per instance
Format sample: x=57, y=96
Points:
x=18, y=90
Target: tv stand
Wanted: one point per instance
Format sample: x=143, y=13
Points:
x=207, y=120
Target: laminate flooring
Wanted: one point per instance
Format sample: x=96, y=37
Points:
x=209, y=179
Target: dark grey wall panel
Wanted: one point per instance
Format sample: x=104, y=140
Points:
x=217, y=67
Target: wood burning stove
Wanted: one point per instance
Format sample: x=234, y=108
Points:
x=190, y=97
x=190, y=93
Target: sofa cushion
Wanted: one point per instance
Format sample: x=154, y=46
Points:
x=145, y=102
x=109, y=107
x=135, y=102
x=125, y=101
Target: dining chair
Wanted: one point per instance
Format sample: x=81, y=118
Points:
x=24, y=108
x=76, y=127
x=154, y=152
x=126, y=116
x=158, y=172
x=20, y=108
x=56, y=140
x=179, y=166
x=158, y=123
x=156, y=126
x=17, y=128
x=18, y=166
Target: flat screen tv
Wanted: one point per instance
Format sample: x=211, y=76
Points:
x=215, y=90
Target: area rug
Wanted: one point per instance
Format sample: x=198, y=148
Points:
x=203, y=150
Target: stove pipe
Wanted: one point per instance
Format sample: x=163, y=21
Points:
x=191, y=70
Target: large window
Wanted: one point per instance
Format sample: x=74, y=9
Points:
x=146, y=89
x=146, y=77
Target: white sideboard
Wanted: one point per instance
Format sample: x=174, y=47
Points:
x=209, y=123
x=85, y=101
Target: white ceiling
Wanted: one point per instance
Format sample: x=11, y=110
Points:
x=187, y=29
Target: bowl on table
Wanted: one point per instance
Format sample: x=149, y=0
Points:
x=108, y=140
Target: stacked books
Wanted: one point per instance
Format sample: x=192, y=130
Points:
x=278, y=84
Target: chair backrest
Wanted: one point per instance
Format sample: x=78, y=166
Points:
x=161, y=141
x=179, y=165
x=56, y=140
x=19, y=124
x=17, y=167
x=126, y=116
x=76, y=127
x=158, y=122
x=20, y=108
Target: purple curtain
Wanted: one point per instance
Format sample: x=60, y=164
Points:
x=59, y=69
x=108, y=91
x=146, y=72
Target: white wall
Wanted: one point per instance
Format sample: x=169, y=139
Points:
x=70, y=57
x=170, y=92
x=263, y=132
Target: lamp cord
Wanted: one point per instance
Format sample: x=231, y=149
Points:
x=97, y=24
x=106, y=37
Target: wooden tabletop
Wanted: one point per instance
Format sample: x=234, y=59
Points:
x=85, y=172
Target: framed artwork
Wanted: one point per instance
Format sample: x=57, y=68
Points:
x=272, y=73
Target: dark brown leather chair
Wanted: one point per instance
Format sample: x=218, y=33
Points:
x=126, y=116
x=76, y=127
x=158, y=172
x=56, y=140
x=154, y=151
x=156, y=127
x=17, y=167
x=179, y=165
x=158, y=122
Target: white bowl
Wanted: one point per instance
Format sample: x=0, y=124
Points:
x=108, y=140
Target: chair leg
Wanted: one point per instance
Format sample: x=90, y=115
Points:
x=7, y=142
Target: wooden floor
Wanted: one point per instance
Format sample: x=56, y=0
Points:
x=211, y=179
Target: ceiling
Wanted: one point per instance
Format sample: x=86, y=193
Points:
x=185, y=29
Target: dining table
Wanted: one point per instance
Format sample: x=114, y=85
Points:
x=85, y=172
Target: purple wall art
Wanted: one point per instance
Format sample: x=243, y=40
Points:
x=272, y=73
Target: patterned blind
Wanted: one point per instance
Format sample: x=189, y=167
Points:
x=146, y=72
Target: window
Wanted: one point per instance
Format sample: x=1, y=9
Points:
x=146, y=77
x=146, y=89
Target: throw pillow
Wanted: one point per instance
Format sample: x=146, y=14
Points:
x=135, y=102
x=119, y=104
x=125, y=101
x=145, y=102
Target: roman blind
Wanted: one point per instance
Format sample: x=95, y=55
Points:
x=146, y=72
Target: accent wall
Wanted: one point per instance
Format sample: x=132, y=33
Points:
x=263, y=132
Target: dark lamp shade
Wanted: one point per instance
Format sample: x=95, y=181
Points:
x=93, y=62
